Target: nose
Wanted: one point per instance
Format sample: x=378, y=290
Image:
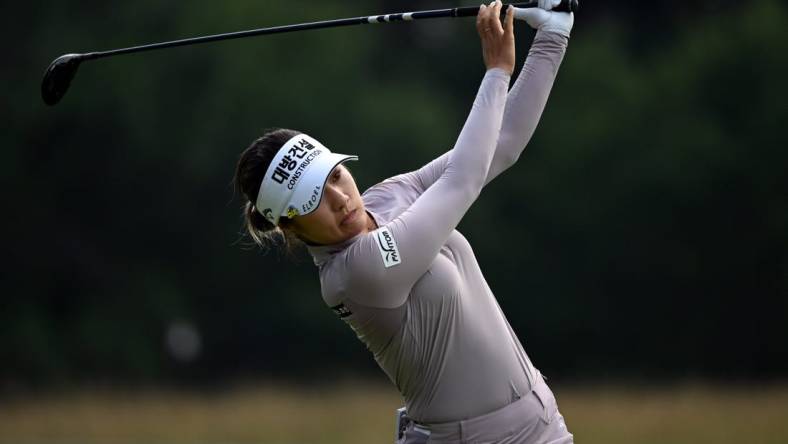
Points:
x=336, y=197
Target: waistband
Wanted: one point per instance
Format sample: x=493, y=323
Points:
x=538, y=404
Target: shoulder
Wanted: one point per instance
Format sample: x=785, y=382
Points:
x=395, y=192
x=393, y=183
x=359, y=272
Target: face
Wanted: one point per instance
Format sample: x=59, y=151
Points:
x=340, y=215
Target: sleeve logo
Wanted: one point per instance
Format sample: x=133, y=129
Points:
x=388, y=248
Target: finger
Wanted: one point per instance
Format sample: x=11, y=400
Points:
x=495, y=18
x=482, y=15
x=489, y=13
x=480, y=19
x=509, y=21
x=488, y=10
x=486, y=21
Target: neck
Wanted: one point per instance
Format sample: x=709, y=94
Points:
x=371, y=224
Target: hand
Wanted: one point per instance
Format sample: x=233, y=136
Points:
x=497, y=40
x=542, y=18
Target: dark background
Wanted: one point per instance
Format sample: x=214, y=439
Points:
x=641, y=237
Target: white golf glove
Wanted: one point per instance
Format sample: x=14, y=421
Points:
x=542, y=18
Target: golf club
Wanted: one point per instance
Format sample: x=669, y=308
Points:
x=62, y=70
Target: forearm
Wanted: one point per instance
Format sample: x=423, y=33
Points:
x=527, y=99
x=472, y=155
x=421, y=230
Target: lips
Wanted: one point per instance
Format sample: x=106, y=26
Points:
x=350, y=217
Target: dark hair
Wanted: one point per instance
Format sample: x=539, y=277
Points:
x=249, y=172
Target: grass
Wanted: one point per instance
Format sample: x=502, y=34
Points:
x=364, y=414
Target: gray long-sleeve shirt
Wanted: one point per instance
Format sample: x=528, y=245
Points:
x=412, y=289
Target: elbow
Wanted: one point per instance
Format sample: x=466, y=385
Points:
x=467, y=180
x=510, y=158
x=510, y=148
x=466, y=187
x=507, y=158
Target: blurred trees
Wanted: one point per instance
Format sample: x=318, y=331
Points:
x=642, y=234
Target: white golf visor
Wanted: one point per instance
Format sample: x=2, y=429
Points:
x=293, y=184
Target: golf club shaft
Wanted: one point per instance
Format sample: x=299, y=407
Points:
x=60, y=73
x=566, y=5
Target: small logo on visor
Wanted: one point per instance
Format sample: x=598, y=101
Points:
x=314, y=199
x=292, y=211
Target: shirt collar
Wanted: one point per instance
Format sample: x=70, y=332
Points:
x=322, y=253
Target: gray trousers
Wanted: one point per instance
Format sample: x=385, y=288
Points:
x=532, y=419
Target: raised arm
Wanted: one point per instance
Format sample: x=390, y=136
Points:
x=524, y=104
x=527, y=100
x=421, y=230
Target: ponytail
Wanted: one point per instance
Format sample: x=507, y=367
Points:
x=259, y=228
x=248, y=175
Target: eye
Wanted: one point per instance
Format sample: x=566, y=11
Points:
x=337, y=174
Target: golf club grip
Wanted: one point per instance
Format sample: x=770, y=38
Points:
x=565, y=6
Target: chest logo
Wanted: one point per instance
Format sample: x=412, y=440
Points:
x=388, y=248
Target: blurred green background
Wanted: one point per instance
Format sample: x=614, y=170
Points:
x=639, y=247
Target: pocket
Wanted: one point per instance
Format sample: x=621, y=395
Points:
x=497, y=439
x=547, y=399
x=415, y=434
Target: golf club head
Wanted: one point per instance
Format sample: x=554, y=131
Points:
x=58, y=76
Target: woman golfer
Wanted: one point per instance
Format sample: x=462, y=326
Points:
x=395, y=269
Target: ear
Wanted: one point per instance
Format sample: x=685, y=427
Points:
x=286, y=224
x=290, y=227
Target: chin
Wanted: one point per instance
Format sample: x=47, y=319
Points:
x=353, y=229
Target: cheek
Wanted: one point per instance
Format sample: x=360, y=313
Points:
x=322, y=216
x=352, y=190
x=314, y=221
